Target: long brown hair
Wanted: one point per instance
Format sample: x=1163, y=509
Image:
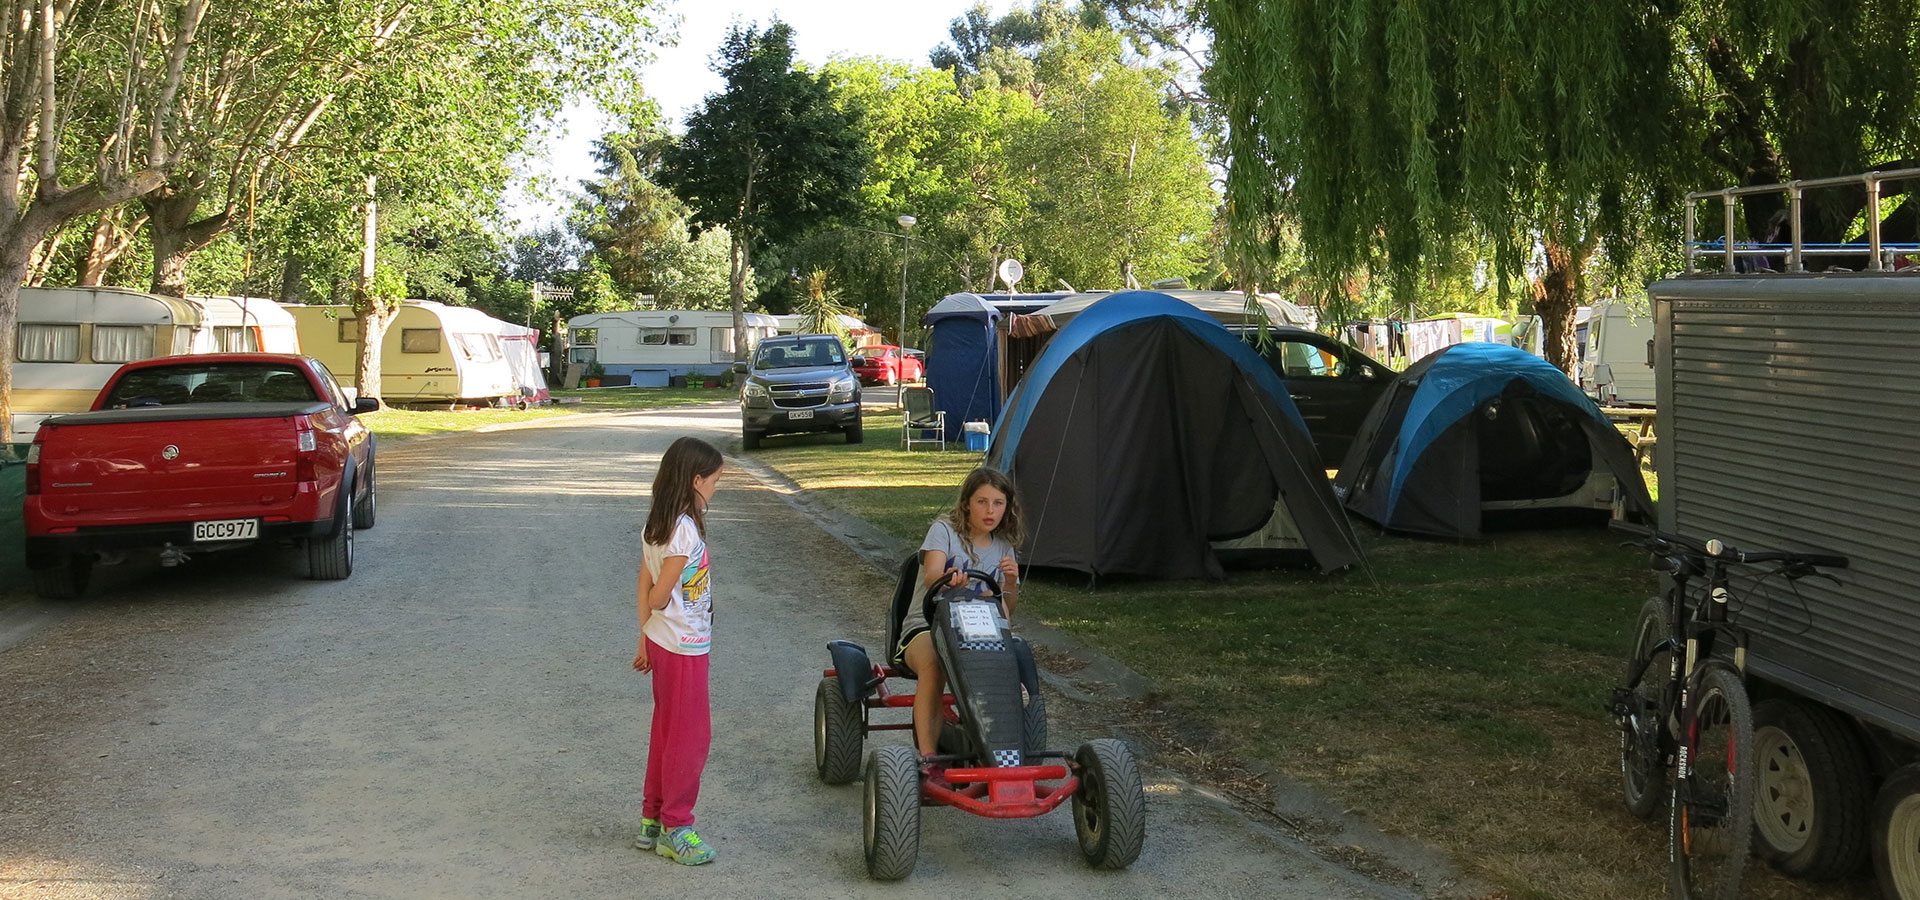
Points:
x=673, y=496
x=1009, y=528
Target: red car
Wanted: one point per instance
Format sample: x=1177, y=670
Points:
x=193, y=454
x=882, y=364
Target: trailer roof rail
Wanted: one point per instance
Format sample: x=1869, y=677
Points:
x=1880, y=255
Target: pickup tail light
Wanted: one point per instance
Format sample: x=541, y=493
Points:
x=33, y=466
x=303, y=468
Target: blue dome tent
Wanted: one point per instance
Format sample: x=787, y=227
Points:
x=1146, y=435
x=1478, y=428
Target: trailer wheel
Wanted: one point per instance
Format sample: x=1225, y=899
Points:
x=61, y=577
x=1813, y=796
x=1110, y=806
x=838, y=733
x=1896, y=834
x=892, y=812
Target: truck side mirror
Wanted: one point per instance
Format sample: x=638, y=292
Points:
x=366, y=405
x=740, y=368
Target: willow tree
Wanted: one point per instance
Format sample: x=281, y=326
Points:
x=1401, y=129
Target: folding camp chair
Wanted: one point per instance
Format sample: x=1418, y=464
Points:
x=922, y=418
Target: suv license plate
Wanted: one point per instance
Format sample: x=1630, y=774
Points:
x=799, y=414
x=226, y=530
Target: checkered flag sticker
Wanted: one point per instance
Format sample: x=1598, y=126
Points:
x=1004, y=758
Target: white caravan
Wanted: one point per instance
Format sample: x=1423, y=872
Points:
x=646, y=347
x=244, y=325
x=433, y=354
x=1618, y=366
x=70, y=340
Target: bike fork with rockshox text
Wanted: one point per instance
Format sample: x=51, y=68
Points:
x=1697, y=719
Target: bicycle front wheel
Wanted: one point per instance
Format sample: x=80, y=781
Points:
x=1710, y=827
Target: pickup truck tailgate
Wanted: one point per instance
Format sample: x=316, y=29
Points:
x=201, y=461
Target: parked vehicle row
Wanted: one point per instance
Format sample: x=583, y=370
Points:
x=197, y=454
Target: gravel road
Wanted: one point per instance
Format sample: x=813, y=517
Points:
x=459, y=719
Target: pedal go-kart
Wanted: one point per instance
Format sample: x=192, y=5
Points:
x=992, y=740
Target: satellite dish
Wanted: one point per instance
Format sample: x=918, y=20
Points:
x=1011, y=271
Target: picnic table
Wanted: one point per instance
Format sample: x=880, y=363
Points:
x=1639, y=427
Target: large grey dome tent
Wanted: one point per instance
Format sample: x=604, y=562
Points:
x=1145, y=433
x=1475, y=428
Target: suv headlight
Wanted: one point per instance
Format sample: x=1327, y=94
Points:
x=754, y=390
x=842, y=389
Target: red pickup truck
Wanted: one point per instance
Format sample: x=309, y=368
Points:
x=188, y=454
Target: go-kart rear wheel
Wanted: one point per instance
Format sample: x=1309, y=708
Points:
x=1110, y=806
x=1033, y=724
x=892, y=812
x=838, y=733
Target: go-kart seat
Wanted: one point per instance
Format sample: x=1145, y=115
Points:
x=903, y=597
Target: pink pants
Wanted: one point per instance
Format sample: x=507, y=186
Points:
x=682, y=733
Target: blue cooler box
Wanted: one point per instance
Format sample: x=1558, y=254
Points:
x=977, y=441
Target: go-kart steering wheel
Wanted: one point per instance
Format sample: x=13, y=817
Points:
x=986, y=578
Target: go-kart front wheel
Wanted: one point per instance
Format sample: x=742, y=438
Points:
x=1110, y=806
x=839, y=730
x=892, y=812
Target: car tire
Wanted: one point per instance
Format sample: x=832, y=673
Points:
x=63, y=577
x=366, y=510
x=750, y=440
x=330, y=558
x=856, y=433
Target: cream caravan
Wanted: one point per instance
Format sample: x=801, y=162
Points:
x=432, y=354
x=646, y=347
x=70, y=340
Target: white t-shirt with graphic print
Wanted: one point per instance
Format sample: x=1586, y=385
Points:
x=685, y=625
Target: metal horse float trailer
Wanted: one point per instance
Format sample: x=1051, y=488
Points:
x=1789, y=418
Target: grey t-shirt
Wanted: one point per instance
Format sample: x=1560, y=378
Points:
x=960, y=555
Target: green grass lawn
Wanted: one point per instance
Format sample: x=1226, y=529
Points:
x=1452, y=692
x=395, y=423
x=605, y=399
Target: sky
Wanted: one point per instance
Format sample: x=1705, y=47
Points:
x=681, y=77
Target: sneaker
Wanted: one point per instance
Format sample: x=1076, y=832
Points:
x=649, y=834
x=683, y=846
x=933, y=771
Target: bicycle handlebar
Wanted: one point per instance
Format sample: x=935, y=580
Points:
x=1664, y=543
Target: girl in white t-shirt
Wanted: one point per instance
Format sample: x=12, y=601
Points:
x=676, y=629
x=979, y=533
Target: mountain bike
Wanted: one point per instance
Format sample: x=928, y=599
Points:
x=1697, y=719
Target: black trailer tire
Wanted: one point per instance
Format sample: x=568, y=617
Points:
x=64, y=577
x=892, y=812
x=1643, y=768
x=365, y=511
x=1812, y=795
x=330, y=557
x=856, y=433
x=1896, y=834
x=1110, y=805
x=839, y=731
x=1033, y=723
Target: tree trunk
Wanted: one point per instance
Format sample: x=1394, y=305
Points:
x=737, y=280
x=15, y=256
x=1556, y=295
x=176, y=236
x=291, y=289
x=375, y=312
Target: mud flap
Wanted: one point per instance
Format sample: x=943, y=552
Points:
x=853, y=669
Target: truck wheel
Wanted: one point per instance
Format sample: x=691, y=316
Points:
x=856, y=433
x=330, y=558
x=838, y=733
x=1110, y=806
x=1896, y=834
x=64, y=577
x=365, y=510
x=892, y=812
x=1812, y=800
x=750, y=440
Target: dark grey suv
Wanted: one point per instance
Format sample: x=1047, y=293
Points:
x=798, y=383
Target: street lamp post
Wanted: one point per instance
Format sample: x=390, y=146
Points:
x=906, y=222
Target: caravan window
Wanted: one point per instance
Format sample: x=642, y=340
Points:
x=673, y=337
x=585, y=337
x=722, y=339
x=122, y=343
x=419, y=340
x=235, y=339
x=48, y=343
x=349, y=331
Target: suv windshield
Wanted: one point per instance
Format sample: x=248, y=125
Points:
x=797, y=354
x=210, y=383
